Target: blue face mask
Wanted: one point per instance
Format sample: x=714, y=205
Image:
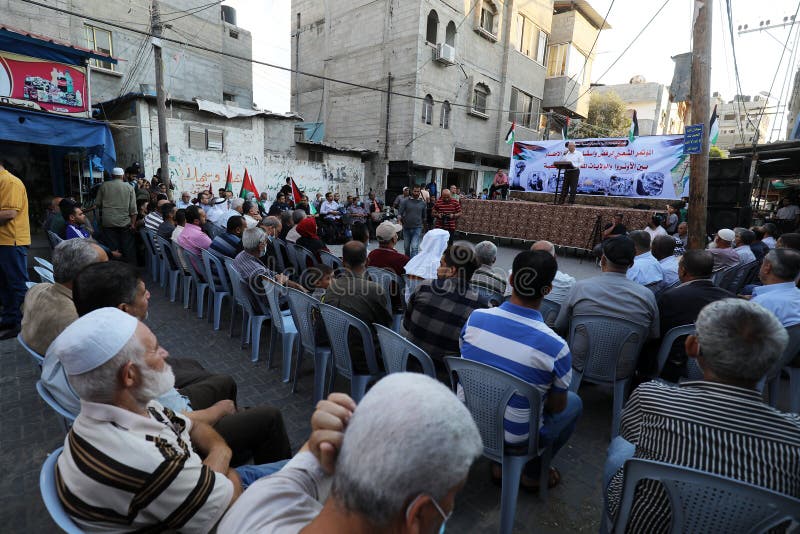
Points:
x=445, y=516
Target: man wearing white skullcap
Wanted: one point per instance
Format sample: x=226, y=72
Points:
x=725, y=257
x=129, y=463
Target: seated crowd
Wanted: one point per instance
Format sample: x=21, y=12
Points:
x=160, y=443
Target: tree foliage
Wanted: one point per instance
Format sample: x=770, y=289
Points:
x=607, y=117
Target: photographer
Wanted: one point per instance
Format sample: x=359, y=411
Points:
x=446, y=212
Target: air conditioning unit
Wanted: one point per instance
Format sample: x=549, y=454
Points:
x=445, y=54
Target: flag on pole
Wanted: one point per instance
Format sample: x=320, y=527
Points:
x=229, y=180
x=634, y=132
x=713, y=127
x=565, y=131
x=296, y=195
x=248, y=186
x=510, y=134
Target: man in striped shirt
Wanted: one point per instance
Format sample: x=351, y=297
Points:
x=446, y=211
x=514, y=338
x=229, y=244
x=719, y=424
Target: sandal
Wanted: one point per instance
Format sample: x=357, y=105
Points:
x=527, y=484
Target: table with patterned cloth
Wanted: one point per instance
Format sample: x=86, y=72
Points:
x=564, y=225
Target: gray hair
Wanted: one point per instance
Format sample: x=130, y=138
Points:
x=785, y=263
x=100, y=384
x=71, y=256
x=298, y=215
x=641, y=239
x=252, y=239
x=739, y=340
x=425, y=444
x=486, y=253
x=270, y=222
x=237, y=203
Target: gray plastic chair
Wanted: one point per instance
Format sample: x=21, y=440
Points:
x=193, y=263
x=252, y=318
x=45, y=275
x=549, y=311
x=331, y=260
x=773, y=378
x=392, y=285
x=734, y=278
x=668, y=340
x=487, y=391
x=338, y=324
x=37, y=358
x=171, y=270
x=705, y=502
x=49, y=491
x=305, y=258
x=151, y=255
x=494, y=298
x=605, y=351
x=219, y=285
x=65, y=418
x=43, y=262
x=282, y=324
x=280, y=255
x=303, y=307
x=291, y=254
x=396, y=351
x=54, y=239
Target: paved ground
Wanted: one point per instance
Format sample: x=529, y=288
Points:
x=29, y=430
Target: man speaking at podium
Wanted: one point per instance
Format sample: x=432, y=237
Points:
x=571, y=175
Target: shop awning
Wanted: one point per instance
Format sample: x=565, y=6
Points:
x=23, y=126
x=30, y=44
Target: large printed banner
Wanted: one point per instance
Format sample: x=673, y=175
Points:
x=649, y=166
x=43, y=84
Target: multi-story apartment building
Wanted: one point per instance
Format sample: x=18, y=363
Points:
x=654, y=111
x=745, y=120
x=439, y=81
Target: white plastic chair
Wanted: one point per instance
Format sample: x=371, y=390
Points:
x=283, y=325
x=49, y=491
x=65, y=418
x=396, y=350
x=303, y=307
x=45, y=275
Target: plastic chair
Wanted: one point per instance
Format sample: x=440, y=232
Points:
x=280, y=254
x=305, y=258
x=65, y=417
x=37, y=358
x=291, y=255
x=392, y=285
x=252, y=319
x=338, y=324
x=283, y=324
x=49, y=490
x=773, y=377
x=668, y=340
x=302, y=307
x=45, y=275
x=396, y=351
x=44, y=263
x=331, y=260
x=192, y=261
x=487, y=391
x=705, y=502
x=492, y=297
x=54, y=239
x=605, y=351
x=549, y=311
x=151, y=255
x=219, y=285
x=734, y=279
x=172, y=270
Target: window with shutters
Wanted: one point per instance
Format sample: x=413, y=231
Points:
x=530, y=39
x=432, y=30
x=444, y=119
x=214, y=140
x=480, y=96
x=524, y=109
x=197, y=138
x=315, y=156
x=427, y=109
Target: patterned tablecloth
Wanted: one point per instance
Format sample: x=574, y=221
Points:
x=564, y=225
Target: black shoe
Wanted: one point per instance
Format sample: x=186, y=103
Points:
x=8, y=334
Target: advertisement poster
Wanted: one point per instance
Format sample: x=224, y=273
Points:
x=648, y=167
x=41, y=84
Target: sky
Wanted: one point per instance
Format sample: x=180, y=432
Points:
x=757, y=53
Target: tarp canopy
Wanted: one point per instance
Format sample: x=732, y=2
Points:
x=29, y=44
x=23, y=126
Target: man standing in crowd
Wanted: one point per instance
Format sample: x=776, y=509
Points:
x=399, y=199
x=446, y=211
x=718, y=425
x=780, y=294
x=514, y=338
x=724, y=256
x=117, y=203
x=411, y=216
x=788, y=216
x=385, y=256
x=15, y=238
x=572, y=175
x=645, y=270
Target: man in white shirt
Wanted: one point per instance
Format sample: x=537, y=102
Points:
x=789, y=215
x=376, y=473
x=654, y=227
x=571, y=175
x=770, y=231
x=741, y=242
x=663, y=249
x=646, y=270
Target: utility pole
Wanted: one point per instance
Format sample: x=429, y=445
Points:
x=700, y=97
x=161, y=96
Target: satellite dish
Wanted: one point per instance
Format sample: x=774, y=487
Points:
x=638, y=79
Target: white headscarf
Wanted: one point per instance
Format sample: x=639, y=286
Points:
x=426, y=262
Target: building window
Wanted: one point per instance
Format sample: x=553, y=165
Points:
x=524, y=109
x=214, y=140
x=99, y=40
x=233, y=34
x=427, y=109
x=450, y=34
x=530, y=39
x=197, y=138
x=315, y=156
x=432, y=32
x=729, y=117
x=480, y=95
x=488, y=13
x=566, y=60
x=444, y=118
x=229, y=98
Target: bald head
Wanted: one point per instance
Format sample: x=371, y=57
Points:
x=545, y=246
x=446, y=194
x=354, y=255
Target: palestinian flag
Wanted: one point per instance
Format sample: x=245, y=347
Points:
x=229, y=180
x=634, y=131
x=565, y=130
x=510, y=134
x=296, y=195
x=713, y=127
x=248, y=186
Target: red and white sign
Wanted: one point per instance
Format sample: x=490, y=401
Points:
x=53, y=86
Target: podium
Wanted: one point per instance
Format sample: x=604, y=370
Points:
x=562, y=166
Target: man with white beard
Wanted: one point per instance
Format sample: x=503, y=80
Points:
x=128, y=462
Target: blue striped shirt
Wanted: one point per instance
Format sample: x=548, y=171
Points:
x=516, y=340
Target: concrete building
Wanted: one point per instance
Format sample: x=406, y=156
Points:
x=654, y=111
x=459, y=72
x=793, y=109
x=745, y=120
